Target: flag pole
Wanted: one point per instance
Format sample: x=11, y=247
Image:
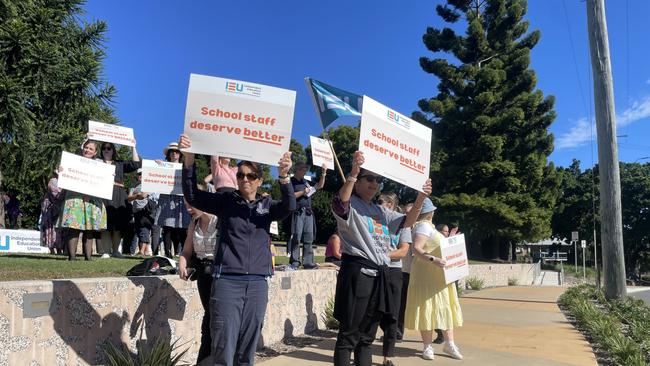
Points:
x=325, y=134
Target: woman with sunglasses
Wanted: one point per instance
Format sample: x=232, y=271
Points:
x=242, y=261
x=362, y=294
x=81, y=214
x=116, y=208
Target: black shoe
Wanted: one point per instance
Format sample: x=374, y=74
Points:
x=439, y=339
x=388, y=363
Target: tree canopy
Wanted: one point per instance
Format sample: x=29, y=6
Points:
x=490, y=123
x=50, y=85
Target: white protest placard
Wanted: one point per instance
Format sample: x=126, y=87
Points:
x=111, y=133
x=86, y=176
x=321, y=152
x=273, y=229
x=238, y=119
x=21, y=241
x=394, y=145
x=162, y=177
x=453, y=251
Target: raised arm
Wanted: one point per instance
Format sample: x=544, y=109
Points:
x=204, y=201
x=412, y=216
x=321, y=181
x=345, y=192
x=281, y=209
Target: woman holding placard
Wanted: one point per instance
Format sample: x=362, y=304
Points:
x=243, y=260
x=362, y=295
x=173, y=216
x=431, y=303
x=116, y=208
x=81, y=214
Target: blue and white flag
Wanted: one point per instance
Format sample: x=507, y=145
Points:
x=332, y=103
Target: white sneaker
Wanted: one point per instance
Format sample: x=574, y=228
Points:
x=427, y=353
x=105, y=255
x=452, y=350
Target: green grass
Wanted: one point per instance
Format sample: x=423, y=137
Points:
x=16, y=267
x=19, y=267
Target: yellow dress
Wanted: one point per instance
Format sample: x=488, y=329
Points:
x=431, y=304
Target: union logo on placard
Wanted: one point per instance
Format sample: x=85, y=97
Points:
x=4, y=244
x=394, y=117
x=242, y=88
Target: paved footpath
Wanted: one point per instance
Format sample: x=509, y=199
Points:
x=503, y=326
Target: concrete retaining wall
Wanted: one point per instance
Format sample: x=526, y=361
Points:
x=498, y=274
x=66, y=322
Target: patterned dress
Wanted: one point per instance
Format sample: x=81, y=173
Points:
x=82, y=212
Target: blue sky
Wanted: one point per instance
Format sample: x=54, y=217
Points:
x=367, y=47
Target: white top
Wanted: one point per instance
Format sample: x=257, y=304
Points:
x=204, y=243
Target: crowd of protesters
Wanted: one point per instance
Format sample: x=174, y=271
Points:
x=388, y=256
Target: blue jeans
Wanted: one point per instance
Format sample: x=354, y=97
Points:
x=237, y=310
x=302, y=230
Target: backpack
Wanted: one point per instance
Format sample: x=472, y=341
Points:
x=154, y=266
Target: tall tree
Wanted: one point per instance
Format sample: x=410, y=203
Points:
x=50, y=86
x=490, y=123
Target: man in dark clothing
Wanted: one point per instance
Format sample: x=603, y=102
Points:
x=301, y=223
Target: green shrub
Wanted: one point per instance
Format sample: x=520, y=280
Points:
x=160, y=354
x=328, y=316
x=474, y=283
x=604, y=321
x=513, y=281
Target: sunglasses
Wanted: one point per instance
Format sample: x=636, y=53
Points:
x=372, y=178
x=249, y=176
x=107, y=148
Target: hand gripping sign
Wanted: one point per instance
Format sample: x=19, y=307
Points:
x=111, y=133
x=394, y=145
x=161, y=177
x=86, y=176
x=321, y=152
x=238, y=119
x=453, y=251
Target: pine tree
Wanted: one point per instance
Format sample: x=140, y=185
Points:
x=491, y=138
x=50, y=86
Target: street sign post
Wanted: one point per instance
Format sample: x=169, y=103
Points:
x=574, y=239
x=583, y=244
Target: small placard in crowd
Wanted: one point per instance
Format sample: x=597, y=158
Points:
x=111, y=133
x=161, y=177
x=86, y=176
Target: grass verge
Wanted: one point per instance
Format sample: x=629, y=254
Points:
x=617, y=328
x=22, y=267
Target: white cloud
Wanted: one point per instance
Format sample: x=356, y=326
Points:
x=580, y=134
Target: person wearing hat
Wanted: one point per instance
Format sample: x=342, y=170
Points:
x=301, y=222
x=144, y=210
x=431, y=303
x=172, y=216
x=366, y=229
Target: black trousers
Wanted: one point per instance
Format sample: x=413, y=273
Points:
x=355, y=307
x=204, y=285
x=175, y=236
x=388, y=322
x=402, y=306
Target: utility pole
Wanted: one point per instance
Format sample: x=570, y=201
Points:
x=611, y=231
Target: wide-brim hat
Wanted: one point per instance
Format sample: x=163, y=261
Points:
x=171, y=146
x=427, y=206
